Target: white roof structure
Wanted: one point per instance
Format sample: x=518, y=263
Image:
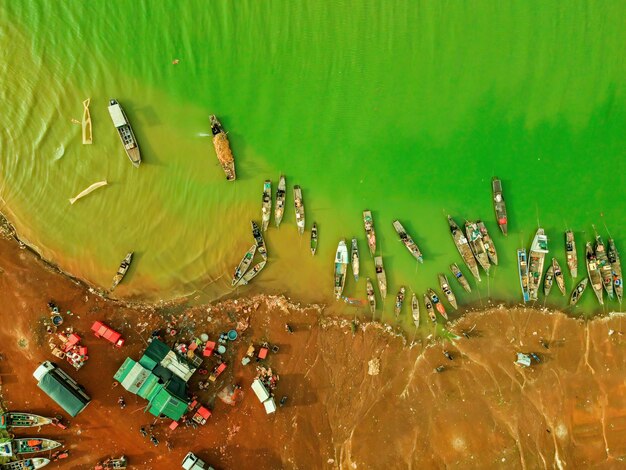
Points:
x=117, y=115
x=260, y=390
x=270, y=406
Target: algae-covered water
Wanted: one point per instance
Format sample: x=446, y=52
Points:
x=405, y=108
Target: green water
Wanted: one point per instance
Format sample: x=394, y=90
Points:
x=404, y=108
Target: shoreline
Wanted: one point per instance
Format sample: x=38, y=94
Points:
x=341, y=385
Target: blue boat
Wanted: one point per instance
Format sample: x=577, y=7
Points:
x=522, y=265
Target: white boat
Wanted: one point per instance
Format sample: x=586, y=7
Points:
x=355, y=259
x=299, y=206
x=125, y=131
x=26, y=464
x=341, y=268
x=536, y=259
x=415, y=310
x=266, y=207
x=281, y=195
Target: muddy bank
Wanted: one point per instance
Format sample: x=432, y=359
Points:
x=363, y=400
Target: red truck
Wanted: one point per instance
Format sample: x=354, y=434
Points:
x=103, y=331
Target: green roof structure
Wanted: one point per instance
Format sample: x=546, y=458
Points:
x=160, y=376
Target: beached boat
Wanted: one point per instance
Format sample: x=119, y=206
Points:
x=522, y=268
x=380, y=275
x=498, y=204
x=299, y=207
x=408, y=241
x=222, y=148
x=371, y=296
x=370, y=233
x=281, y=195
x=266, y=205
x=558, y=276
x=578, y=292
x=258, y=238
x=341, y=268
x=125, y=131
x=488, y=242
x=12, y=419
x=434, y=298
x=456, y=271
x=536, y=259
x=616, y=267
x=354, y=256
x=429, y=308
x=593, y=271
x=570, y=254
x=463, y=246
x=477, y=245
x=605, y=266
x=243, y=265
x=26, y=464
x=399, y=301
x=251, y=273
x=313, y=238
x=549, y=279
x=447, y=291
x=415, y=310
x=122, y=270
x=26, y=445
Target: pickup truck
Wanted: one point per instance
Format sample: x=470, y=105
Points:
x=191, y=462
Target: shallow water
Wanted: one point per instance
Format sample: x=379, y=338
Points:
x=407, y=109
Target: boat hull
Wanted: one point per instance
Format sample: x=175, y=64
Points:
x=281, y=196
x=462, y=245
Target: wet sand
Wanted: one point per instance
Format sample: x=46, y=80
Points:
x=354, y=401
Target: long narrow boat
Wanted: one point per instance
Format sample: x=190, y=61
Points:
x=415, y=310
x=222, y=148
x=408, y=241
x=536, y=259
x=252, y=272
x=462, y=245
x=26, y=464
x=477, y=245
x=26, y=445
x=341, y=268
x=447, y=291
x=593, y=271
x=86, y=123
x=570, y=254
x=243, y=265
x=488, y=242
x=616, y=267
x=498, y=204
x=558, y=276
x=258, y=238
x=122, y=270
x=605, y=266
x=522, y=268
x=13, y=419
x=281, y=195
x=266, y=206
x=370, y=232
x=313, y=238
x=434, y=298
x=460, y=277
x=578, y=292
x=380, y=275
x=371, y=296
x=429, y=308
x=354, y=256
x=299, y=207
x=399, y=301
x=125, y=131
x=548, y=281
